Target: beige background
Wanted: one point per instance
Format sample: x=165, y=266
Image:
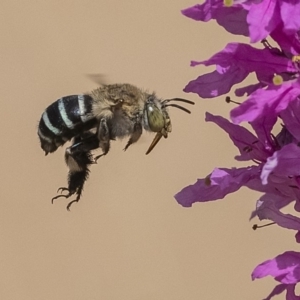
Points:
x=127, y=238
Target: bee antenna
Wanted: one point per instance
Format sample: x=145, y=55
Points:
x=178, y=106
x=179, y=100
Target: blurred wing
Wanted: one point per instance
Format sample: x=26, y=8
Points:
x=98, y=78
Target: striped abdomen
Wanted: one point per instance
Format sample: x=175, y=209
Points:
x=65, y=118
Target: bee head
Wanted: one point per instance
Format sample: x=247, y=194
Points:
x=157, y=118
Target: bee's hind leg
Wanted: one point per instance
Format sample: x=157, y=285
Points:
x=78, y=163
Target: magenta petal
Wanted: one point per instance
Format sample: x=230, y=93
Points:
x=233, y=18
x=290, y=12
x=233, y=65
x=203, y=12
x=262, y=18
x=291, y=118
x=216, y=186
x=278, y=289
x=249, y=146
x=288, y=41
x=215, y=84
x=285, y=268
x=267, y=210
x=248, y=90
x=290, y=292
x=297, y=237
x=262, y=61
x=266, y=103
x=284, y=162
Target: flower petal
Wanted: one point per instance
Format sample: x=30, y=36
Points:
x=288, y=42
x=263, y=17
x=290, y=292
x=297, y=237
x=290, y=12
x=248, y=90
x=262, y=61
x=291, y=118
x=234, y=63
x=284, y=162
x=233, y=18
x=217, y=185
x=266, y=103
x=249, y=146
x=278, y=289
x=267, y=210
x=203, y=12
x=215, y=84
x=285, y=268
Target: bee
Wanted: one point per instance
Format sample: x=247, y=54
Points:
x=92, y=120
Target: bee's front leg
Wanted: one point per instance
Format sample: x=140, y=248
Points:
x=137, y=131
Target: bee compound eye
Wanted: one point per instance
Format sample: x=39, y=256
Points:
x=156, y=118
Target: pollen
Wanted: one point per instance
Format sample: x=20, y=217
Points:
x=277, y=80
x=296, y=58
x=228, y=3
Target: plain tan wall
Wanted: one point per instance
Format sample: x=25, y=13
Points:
x=127, y=238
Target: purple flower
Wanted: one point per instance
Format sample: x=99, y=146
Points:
x=266, y=103
x=268, y=208
x=284, y=162
x=289, y=42
x=274, y=168
x=285, y=268
x=233, y=64
x=274, y=172
x=256, y=19
x=233, y=18
x=216, y=185
x=263, y=17
x=291, y=118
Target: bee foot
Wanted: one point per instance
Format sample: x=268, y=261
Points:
x=70, y=203
x=62, y=189
x=59, y=196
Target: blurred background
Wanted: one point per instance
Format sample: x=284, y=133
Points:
x=127, y=238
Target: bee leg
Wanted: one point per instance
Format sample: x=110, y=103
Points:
x=85, y=144
x=79, y=171
x=61, y=189
x=103, y=138
x=78, y=163
x=137, y=132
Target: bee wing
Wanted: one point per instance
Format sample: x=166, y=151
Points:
x=154, y=142
x=98, y=78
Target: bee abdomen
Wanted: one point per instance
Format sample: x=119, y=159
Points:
x=64, y=119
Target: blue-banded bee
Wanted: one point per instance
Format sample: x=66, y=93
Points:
x=92, y=120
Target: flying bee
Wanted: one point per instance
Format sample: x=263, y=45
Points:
x=92, y=120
